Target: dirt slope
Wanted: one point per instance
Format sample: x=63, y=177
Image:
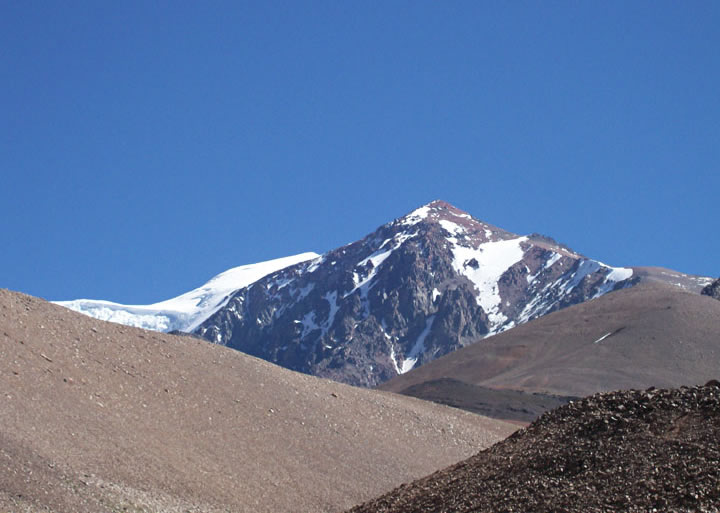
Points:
x=101, y=417
x=634, y=451
x=653, y=334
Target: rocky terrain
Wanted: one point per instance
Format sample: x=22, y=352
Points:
x=712, y=290
x=416, y=289
x=96, y=416
x=652, y=334
x=635, y=451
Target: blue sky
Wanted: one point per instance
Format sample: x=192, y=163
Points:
x=146, y=146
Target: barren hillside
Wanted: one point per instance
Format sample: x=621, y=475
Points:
x=97, y=416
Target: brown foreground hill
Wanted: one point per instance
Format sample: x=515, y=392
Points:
x=97, y=416
x=636, y=451
x=653, y=334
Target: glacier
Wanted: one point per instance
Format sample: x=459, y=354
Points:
x=186, y=311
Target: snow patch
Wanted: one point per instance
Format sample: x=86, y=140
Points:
x=393, y=359
x=587, y=267
x=331, y=298
x=309, y=324
x=552, y=260
x=452, y=228
x=415, y=216
x=315, y=263
x=484, y=267
x=417, y=349
x=606, y=335
x=376, y=259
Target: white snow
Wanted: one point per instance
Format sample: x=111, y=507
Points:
x=309, y=321
x=493, y=259
x=315, y=263
x=606, y=335
x=544, y=300
x=452, y=228
x=618, y=273
x=187, y=311
x=393, y=359
x=551, y=261
x=416, y=216
x=585, y=268
x=377, y=258
x=383, y=328
x=418, y=348
x=435, y=294
x=533, y=308
x=615, y=275
x=331, y=298
x=309, y=324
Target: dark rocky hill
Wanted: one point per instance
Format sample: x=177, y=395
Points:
x=635, y=451
x=416, y=289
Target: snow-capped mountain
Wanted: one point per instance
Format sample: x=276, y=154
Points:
x=187, y=311
x=417, y=288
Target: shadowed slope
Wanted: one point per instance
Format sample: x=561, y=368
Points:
x=511, y=405
x=96, y=416
x=649, y=335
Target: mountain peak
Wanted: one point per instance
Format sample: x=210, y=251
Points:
x=442, y=205
x=434, y=211
x=414, y=289
x=456, y=225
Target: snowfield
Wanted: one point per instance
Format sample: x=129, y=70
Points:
x=187, y=311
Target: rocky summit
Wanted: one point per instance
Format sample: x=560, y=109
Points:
x=417, y=288
x=635, y=451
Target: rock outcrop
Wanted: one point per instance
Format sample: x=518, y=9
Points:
x=712, y=290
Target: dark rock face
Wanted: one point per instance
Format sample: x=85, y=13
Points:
x=417, y=288
x=712, y=290
x=653, y=450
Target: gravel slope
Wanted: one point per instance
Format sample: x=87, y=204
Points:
x=635, y=451
x=97, y=416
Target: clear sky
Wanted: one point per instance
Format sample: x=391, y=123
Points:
x=147, y=146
